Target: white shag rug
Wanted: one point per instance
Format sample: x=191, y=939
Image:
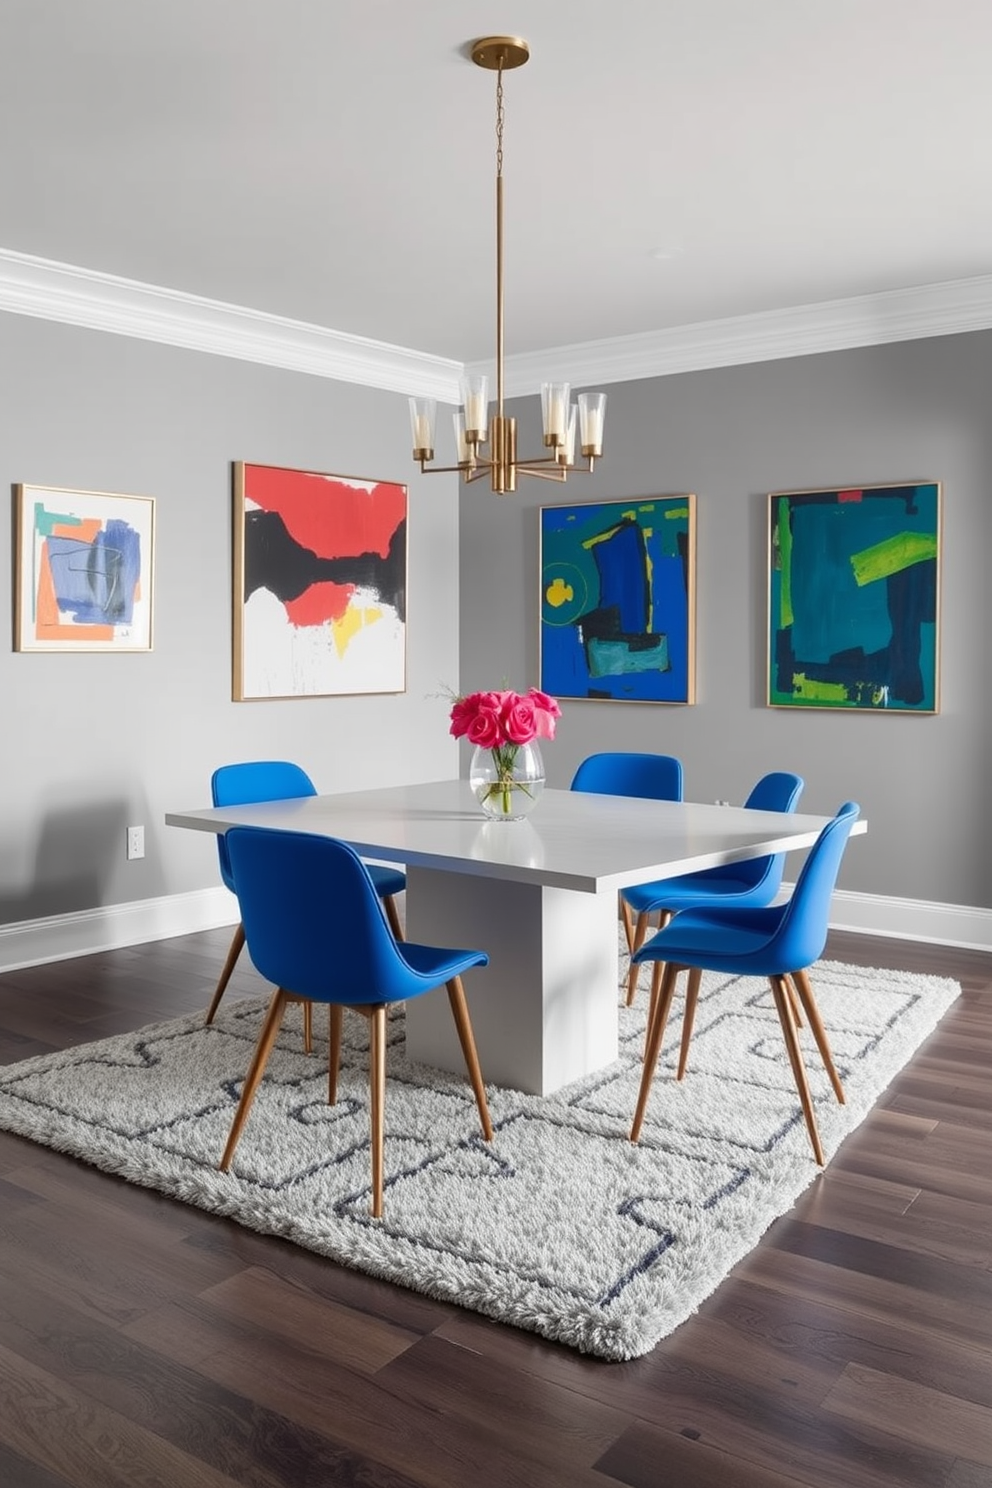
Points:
x=560, y=1226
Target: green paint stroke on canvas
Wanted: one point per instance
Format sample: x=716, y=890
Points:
x=613, y=658
x=812, y=691
x=785, y=615
x=900, y=551
x=45, y=521
x=600, y=537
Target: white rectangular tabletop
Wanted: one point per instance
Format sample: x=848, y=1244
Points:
x=573, y=840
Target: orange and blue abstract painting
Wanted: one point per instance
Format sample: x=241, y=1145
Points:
x=854, y=598
x=320, y=584
x=617, y=600
x=84, y=568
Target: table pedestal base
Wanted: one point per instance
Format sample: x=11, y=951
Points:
x=544, y=1011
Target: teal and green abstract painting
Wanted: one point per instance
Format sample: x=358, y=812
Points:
x=617, y=600
x=854, y=597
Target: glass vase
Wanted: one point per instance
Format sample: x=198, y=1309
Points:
x=508, y=781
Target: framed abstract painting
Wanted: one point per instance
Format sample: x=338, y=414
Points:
x=618, y=600
x=854, y=598
x=320, y=576
x=84, y=563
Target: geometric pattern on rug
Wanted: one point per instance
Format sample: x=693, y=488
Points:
x=561, y=1226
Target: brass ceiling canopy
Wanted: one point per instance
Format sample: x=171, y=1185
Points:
x=474, y=426
x=495, y=52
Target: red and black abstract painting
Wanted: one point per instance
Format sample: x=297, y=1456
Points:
x=320, y=577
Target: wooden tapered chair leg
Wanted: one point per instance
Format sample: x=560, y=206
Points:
x=266, y=1039
x=463, y=1024
x=392, y=915
x=656, y=1032
x=640, y=935
x=801, y=980
x=628, y=928
x=657, y=973
x=783, y=1005
x=308, y=1027
x=794, y=999
x=377, y=1099
x=334, y=1055
x=688, y=1017
x=237, y=946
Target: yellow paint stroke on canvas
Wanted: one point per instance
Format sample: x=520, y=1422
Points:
x=344, y=630
x=559, y=593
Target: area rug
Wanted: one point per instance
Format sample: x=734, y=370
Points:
x=560, y=1226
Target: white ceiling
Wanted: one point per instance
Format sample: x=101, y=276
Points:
x=666, y=161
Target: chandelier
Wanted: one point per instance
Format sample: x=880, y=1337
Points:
x=474, y=427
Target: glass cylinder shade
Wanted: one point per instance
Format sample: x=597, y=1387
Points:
x=475, y=406
x=566, y=455
x=592, y=416
x=554, y=412
x=462, y=448
x=423, y=415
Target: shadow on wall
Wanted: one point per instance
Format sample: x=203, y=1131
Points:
x=79, y=848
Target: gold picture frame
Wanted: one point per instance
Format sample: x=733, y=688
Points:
x=854, y=598
x=84, y=565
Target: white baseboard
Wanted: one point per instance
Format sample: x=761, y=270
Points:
x=59, y=937
x=911, y=919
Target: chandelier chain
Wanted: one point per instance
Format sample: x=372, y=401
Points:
x=499, y=120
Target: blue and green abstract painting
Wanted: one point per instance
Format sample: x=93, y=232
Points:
x=853, y=598
x=617, y=600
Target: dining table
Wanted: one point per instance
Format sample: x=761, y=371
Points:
x=539, y=895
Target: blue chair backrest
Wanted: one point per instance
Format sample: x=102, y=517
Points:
x=802, y=931
x=313, y=921
x=658, y=776
x=255, y=780
x=778, y=791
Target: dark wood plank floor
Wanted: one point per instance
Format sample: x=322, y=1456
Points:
x=145, y=1343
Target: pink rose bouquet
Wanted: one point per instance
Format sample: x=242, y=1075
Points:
x=502, y=722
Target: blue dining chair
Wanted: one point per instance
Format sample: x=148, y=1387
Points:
x=623, y=773
x=277, y=780
x=779, y=942
x=739, y=885
x=315, y=927
x=619, y=773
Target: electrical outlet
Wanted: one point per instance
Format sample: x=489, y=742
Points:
x=135, y=842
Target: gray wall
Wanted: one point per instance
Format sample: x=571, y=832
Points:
x=917, y=410
x=90, y=743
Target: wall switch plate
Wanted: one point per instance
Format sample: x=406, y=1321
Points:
x=135, y=842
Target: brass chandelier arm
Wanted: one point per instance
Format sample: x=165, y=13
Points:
x=483, y=466
x=559, y=473
x=474, y=472
x=429, y=468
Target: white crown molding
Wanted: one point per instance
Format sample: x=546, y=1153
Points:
x=803, y=330
x=59, y=937
x=104, y=302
